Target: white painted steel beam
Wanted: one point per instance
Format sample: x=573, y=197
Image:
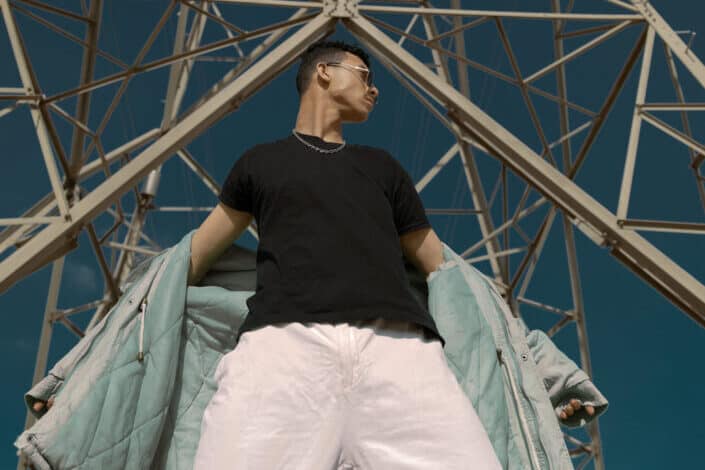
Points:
x=672, y=40
x=579, y=51
x=524, y=15
x=633, y=146
x=225, y=101
x=38, y=117
x=14, y=233
x=646, y=260
x=472, y=174
x=84, y=99
x=40, y=363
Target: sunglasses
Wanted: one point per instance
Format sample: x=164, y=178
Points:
x=366, y=73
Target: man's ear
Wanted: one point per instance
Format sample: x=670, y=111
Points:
x=322, y=73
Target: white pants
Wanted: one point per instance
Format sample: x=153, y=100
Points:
x=372, y=395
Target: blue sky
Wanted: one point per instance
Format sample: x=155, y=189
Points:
x=645, y=352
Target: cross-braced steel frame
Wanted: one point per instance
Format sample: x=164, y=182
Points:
x=47, y=232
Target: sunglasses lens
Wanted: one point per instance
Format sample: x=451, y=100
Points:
x=369, y=78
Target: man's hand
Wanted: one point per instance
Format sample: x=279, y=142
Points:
x=574, y=406
x=38, y=406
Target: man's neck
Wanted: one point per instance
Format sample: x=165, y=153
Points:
x=317, y=119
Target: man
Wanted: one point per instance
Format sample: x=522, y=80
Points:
x=355, y=371
x=333, y=369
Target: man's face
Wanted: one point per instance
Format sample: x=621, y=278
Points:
x=348, y=88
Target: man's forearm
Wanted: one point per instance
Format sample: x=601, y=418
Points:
x=222, y=226
x=203, y=255
x=193, y=276
x=423, y=248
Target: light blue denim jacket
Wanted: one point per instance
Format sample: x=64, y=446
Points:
x=132, y=392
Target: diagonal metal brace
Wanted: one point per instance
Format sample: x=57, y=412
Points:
x=647, y=261
x=219, y=105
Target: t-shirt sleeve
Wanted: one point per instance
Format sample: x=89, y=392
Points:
x=409, y=212
x=237, y=188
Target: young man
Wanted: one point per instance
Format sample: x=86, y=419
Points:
x=337, y=364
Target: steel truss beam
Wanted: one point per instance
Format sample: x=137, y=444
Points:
x=220, y=104
x=642, y=257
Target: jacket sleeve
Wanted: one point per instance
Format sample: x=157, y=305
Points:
x=42, y=391
x=50, y=385
x=564, y=380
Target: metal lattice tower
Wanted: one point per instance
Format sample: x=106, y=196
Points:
x=89, y=182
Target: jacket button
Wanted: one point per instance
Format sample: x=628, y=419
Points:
x=524, y=357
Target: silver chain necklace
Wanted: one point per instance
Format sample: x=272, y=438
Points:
x=317, y=148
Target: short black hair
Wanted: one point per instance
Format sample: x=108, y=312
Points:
x=324, y=51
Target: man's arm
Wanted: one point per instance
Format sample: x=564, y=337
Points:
x=222, y=226
x=423, y=248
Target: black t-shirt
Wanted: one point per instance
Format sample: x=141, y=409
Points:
x=328, y=226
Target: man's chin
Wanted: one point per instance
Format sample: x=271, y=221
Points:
x=362, y=116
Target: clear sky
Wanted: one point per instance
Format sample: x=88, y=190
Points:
x=646, y=354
